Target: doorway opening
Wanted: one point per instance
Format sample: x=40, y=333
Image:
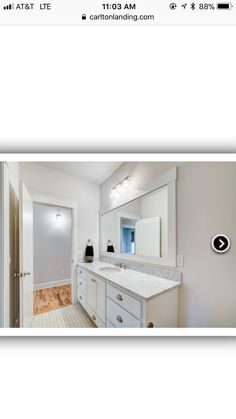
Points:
x=47, y=260
x=52, y=257
x=128, y=236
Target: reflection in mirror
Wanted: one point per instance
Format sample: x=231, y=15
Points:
x=128, y=235
x=139, y=227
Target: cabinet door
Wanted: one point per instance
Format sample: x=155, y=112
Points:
x=96, y=297
x=92, y=291
x=101, y=299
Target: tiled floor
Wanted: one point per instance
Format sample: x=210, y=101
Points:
x=70, y=316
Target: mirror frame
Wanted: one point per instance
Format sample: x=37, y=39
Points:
x=167, y=179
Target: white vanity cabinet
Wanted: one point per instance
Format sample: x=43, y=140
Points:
x=124, y=310
x=110, y=305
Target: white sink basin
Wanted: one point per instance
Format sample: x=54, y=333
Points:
x=109, y=269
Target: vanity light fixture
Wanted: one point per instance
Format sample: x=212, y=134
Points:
x=125, y=182
x=120, y=186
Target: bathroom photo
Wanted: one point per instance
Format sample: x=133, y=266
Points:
x=108, y=244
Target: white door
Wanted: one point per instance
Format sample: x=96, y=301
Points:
x=26, y=257
x=148, y=237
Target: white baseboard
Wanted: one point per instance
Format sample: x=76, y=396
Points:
x=51, y=284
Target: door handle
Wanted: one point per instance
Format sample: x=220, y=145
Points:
x=21, y=275
x=18, y=275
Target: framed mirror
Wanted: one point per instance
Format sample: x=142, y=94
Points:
x=144, y=229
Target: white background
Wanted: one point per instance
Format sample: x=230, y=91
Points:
x=127, y=89
x=121, y=88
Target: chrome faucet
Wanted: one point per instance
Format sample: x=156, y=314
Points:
x=121, y=265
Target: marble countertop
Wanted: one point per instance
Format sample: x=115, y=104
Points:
x=140, y=284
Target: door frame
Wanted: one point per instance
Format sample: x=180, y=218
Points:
x=54, y=201
x=25, y=197
x=4, y=246
x=2, y=270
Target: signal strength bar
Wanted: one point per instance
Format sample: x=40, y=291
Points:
x=9, y=7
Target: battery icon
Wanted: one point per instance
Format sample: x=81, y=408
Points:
x=224, y=6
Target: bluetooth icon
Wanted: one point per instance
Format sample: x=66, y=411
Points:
x=193, y=6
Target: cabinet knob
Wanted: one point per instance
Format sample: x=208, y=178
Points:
x=80, y=272
x=119, y=297
x=150, y=324
x=80, y=283
x=93, y=280
x=80, y=297
x=119, y=319
x=94, y=317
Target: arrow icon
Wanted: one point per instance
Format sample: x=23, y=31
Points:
x=222, y=243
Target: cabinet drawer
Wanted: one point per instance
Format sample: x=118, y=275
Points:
x=124, y=300
x=94, y=317
x=120, y=317
x=81, y=297
x=81, y=283
x=81, y=272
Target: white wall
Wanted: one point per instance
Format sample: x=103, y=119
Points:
x=52, y=244
x=14, y=175
x=206, y=206
x=43, y=180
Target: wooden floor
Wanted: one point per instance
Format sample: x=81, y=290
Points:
x=49, y=299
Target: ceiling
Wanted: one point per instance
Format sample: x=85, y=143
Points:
x=95, y=172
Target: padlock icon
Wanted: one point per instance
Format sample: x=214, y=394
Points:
x=83, y=16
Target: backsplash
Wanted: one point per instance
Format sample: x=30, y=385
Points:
x=145, y=268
